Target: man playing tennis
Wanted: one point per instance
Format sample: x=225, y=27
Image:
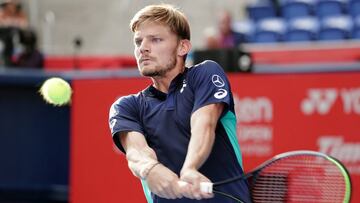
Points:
x=183, y=126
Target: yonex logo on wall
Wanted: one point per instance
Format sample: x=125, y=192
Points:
x=321, y=101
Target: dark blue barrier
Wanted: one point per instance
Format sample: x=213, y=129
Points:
x=34, y=142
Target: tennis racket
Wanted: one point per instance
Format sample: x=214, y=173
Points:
x=295, y=176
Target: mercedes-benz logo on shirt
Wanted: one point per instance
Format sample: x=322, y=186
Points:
x=217, y=81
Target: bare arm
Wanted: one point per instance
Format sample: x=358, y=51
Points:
x=143, y=163
x=203, y=125
x=140, y=156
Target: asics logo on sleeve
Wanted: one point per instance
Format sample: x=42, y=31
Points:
x=221, y=93
x=217, y=81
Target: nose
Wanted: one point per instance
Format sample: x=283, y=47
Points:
x=144, y=46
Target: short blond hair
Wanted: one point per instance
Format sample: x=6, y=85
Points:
x=164, y=14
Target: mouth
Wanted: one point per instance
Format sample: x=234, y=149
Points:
x=144, y=60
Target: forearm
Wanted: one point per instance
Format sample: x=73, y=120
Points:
x=141, y=161
x=200, y=145
x=141, y=158
x=203, y=125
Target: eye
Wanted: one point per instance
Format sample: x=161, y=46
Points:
x=156, y=39
x=137, y=42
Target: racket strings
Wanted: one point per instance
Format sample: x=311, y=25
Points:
x=300, y=179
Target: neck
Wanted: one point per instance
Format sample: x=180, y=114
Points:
x=162, y=83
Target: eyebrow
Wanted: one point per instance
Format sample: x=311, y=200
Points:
x=147, y=36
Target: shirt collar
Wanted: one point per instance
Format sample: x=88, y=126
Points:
x=177, y=82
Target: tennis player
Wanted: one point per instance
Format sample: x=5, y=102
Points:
x=183, y=126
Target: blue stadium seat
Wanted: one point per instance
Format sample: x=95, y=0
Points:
x=291, y=9
x=335, y=28
x=269, y=30
x=302, y=29
x=356, y=28
x=261, y=9
x=326, y=8
x=245, y=28
x=354, y=8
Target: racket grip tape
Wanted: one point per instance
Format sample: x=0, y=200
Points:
x=205, y=187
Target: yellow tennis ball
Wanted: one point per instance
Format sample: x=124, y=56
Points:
x=56, y=91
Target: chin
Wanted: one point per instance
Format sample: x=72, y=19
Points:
x=148, y=71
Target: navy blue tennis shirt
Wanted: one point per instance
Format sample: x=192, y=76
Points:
x=164, y=120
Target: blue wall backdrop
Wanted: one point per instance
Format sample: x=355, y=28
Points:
x=34, y=143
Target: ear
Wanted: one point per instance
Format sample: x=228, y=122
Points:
x=184, y=47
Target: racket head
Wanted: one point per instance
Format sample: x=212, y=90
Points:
x=301, y=176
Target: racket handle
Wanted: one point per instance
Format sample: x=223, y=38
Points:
x=206, y=187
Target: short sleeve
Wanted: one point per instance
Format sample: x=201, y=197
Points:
x=124, y=117
x=210, y=85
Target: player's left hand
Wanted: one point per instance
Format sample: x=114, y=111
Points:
x=192, y=190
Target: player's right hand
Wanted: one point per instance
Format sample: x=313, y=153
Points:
x=194, y=178
x=164, y=183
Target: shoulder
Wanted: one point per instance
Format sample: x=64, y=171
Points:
x=202, y=74
x=126, y=103
x=206, y=67
x=124, y=100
